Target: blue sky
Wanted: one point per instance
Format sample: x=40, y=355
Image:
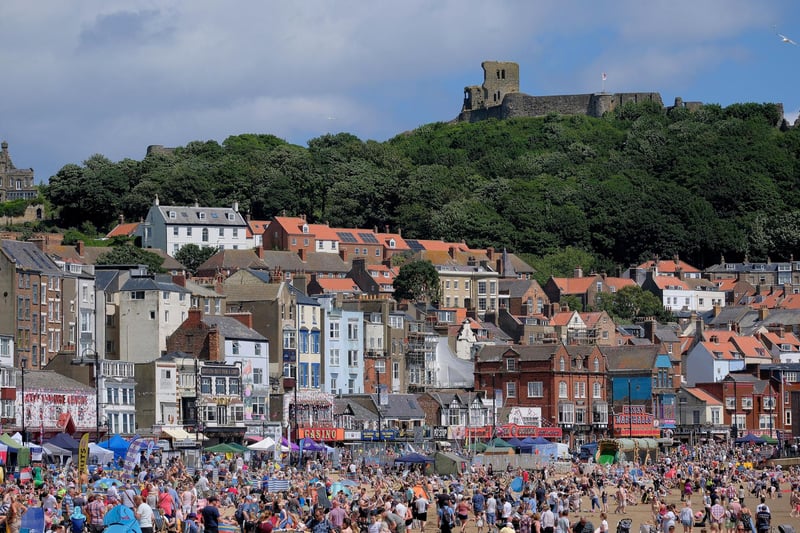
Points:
x=112, y=77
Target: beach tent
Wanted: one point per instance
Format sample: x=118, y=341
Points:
x=223, y=448
x=265, y=444
x=448, y=463
x=100, y=455
x=10, y=443
x=116, y=444
x=414, y=458
x=750, y=439
x=285, y=442
x=309, y=445
x=62, y=440
x=515, y=442
x=498, y=443
x=54, y=451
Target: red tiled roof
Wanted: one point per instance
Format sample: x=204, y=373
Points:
x=561, y=319
x=123, y=230
x=619, y=283
x=791, y=302
x=670, y=282
x=703, y=396
x=750, y=347
x=256, y=227
x=573, y=285
x=721, y=350
x=291, y=224
x=669, y=265
x=338, y=285
x=787, y=338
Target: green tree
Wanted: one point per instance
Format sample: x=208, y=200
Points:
x=631, y=302
x=131, y=255
x=418, y=281
x=192, y=256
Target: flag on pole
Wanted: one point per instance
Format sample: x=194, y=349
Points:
x=604, y=76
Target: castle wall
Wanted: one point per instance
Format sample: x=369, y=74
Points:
x=524, y=105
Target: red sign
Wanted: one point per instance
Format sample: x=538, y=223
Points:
x=325, y=434
x=513, y=430
x=635, y=422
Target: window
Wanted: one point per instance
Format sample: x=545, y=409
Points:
x=580, y=389
x=562, y=364
x=596, y=364
x=219, y=386
x=352, y=331
x=258, y=376
x=288, y=339
x=152, y=315
x=352, y=358
x=730, y=402
x=205, y=235
x=769, y=402
x=335, y=358
x=333, y=329
x=303, y=341
x=315, y=341
x=481, y=287
x=597, y=391
x=235, y=347
x=562, y=389
x=511, y=365
x=205, y=385
x=315, y=375
x=511, y=389
x=137, y=295
x=235, y=233
x=176, y=231
x=566, y=413
x=747, y=403
x=535, y=389
x=188, y=231
x=787, y=417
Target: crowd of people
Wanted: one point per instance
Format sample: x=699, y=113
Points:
x=685, y=488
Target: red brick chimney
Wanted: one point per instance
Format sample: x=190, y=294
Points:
x=215, y=351
x=490, y=253
x=243, y=317
x=260, y=251
x=80, y=248
x=302, y=253
x=195, y=317
x=179, y=280
x=343, y=254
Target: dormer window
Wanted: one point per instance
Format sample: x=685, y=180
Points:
x=511, y=365
x=562, y=364
x=201, y=215
x=173, y=215
x=305, y=228
x=231, y=216
x=392, y=243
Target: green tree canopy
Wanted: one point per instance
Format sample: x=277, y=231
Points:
x=128, y=254
x=192, y=256
x=418, y=281
x=631, y=302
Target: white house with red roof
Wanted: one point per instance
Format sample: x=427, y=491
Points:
x=720, y=352
x=784, y=346
x=685, y=295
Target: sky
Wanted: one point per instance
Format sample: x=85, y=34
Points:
x=112, y=77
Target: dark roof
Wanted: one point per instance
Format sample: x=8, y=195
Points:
x=400, y=407
x=53, y=381
x=495, y=333
x=151, y=284
x=326, y=262
x=579, y=349
x=301, y=298
x=284, y=260
x=230, y=328
x=516, y=288
x=232, y=260
x=362, y=406
x=630, y=358
x=532, y=352
x=28, y=256
x=730, y=268
x=187, y=216
x=104, y=278
x=262, y=275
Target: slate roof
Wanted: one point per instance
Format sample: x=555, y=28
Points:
x=249, y=292
x=324, y=262
x=232, y=260
x=286, y=261
x=232, y=329
x=301, y=298
x=363, y=408
x=151, y=284
x=730, y=268
x=631, y=358
x=400, y=407
x=516, y=288
x=28, y=256
x=104, y=278
x=53, y=381
x=188, y=216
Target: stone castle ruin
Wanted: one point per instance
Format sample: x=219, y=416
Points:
x=499, y=97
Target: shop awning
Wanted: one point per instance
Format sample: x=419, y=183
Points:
x=175, y=433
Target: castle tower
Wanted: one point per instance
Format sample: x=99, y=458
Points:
x=499, y=79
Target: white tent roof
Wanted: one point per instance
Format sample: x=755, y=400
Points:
x=101, y=454
x=52, y=449
x=263, y=445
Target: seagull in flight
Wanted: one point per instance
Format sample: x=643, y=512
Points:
x=784, y=38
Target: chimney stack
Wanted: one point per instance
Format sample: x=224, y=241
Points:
x=243, y=317
x=578, y=272
x=80, y=248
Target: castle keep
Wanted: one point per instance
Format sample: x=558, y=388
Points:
x=15, y=183
x=499, y=97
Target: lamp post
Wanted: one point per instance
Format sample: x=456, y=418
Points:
x=681, y=404
x=23, y=362
x=380, y=415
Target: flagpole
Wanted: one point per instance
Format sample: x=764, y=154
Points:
x=604, y=83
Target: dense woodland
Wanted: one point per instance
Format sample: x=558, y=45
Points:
x=636, y=183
